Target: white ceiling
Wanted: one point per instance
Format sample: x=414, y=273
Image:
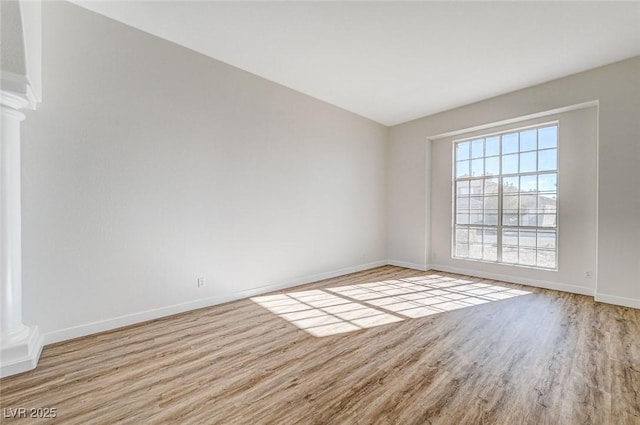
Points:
x=395, y=61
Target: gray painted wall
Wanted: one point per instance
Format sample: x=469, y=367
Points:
x=576, y=211
x=148, y=165
x=617, y=88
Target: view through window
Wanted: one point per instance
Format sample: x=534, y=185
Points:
x=506, y=193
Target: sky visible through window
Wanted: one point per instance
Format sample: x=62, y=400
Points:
x=505, y=206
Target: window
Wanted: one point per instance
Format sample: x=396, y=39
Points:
x=506, y=192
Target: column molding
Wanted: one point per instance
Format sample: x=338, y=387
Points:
x=17, y=92
x=20, y=89
x=20, y=345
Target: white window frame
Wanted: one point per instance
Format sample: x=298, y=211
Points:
x=500, y=226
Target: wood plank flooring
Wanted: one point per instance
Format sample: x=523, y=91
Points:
x=414, y=355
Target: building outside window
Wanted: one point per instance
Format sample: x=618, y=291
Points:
x=506, y=197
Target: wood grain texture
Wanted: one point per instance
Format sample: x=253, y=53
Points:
x=542, y=357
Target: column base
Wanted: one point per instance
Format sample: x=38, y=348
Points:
x=20, y=355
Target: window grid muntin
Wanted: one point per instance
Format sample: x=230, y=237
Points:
x=536, y=212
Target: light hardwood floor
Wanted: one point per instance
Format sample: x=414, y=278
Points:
x=408, y=354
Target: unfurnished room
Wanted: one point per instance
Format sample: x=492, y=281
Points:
x=320, y=212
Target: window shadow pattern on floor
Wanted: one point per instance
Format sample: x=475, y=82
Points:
x=331, y=311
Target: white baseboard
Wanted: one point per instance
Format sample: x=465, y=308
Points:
x=130, y=319
x=21, y=355
x=614, y=299
x=415, y=266
x=329, y=275
x=575, y=289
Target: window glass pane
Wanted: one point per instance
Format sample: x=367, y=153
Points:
x=527, y=257
x=509, y=255
x=462, y=203
x=509, y=143
x=547, y=220
x=528, y=203
x=476, y=217
x=510, y=203
x=462, y=234
x=509, y=179
x=491, y=203
x=492, y=166
x=477, y=167
x=510, y=237
x=491, y=218
x=475, y=235
x=528, y=162
x=476, y=203
x=490, y=236
x=477, y=148
x=527, y=238
x=462, y=169
x=547, y=182
x=492, y=146
x=491, y=187
x=510, y=164
x=462, y=250
x=528, y=219
x=547, y=160
x=490, y=253
x=528, y=183
x=546, y=259
x=509, y=219
x=475, y=251
x=462, y=150
x=547, y=203
x=510, y=184
x=476, y=187
x=462, y=188
x=528, y=140
x=546, y=239
x=548, y=137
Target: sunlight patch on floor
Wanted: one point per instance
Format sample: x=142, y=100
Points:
x=330, y=311
x=321, y=313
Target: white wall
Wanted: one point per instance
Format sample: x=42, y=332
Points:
x=576, y=206
x=617, y=88
x=12, y=54
x=148, y=165
x=32, y=25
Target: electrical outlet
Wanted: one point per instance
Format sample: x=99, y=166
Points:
x=201, y=282
x=588, y=274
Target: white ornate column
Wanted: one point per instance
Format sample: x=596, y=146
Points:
x=20, y=345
